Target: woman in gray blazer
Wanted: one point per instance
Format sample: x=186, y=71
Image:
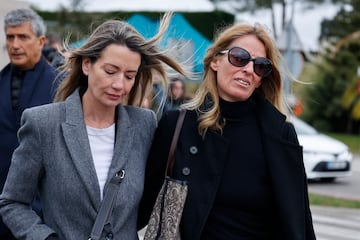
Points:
x=70, y=150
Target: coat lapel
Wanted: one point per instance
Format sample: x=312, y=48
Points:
x=285, y=163
x=31, y=83
x=123, y=142
x=7, y=115
x=77, y=142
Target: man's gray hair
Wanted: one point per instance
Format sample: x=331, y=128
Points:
x=20, y=16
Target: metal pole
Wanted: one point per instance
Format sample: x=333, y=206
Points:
x=289, y=51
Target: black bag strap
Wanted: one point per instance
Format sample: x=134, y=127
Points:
x=106, y=205
x=171, y=158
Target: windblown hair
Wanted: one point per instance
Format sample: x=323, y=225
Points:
x=121, y=33
x=206, y=100
x=20, y=16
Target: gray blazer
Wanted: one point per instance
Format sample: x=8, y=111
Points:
x=54, y=158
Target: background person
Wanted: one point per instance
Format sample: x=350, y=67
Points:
x=27, y=81
x=177, y=94
x=239, y=155
x=53, y=50
x=93, y=131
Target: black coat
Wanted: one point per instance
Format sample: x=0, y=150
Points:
x=201, y=162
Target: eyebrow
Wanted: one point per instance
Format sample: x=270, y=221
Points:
x=117, y=67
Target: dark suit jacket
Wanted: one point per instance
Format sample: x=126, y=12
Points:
x=201, y=163
x=38, y=88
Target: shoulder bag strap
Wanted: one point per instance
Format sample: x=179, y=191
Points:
x=179, y=123
x=106, y=205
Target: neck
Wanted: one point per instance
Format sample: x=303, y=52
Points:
x=95, y=121
x=97, y=117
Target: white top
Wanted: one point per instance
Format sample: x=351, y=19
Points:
x=102, y=149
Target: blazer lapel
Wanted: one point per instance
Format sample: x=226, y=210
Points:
x=76, y=139
x=123, y=142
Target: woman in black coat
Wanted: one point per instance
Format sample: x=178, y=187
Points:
x=239, y=155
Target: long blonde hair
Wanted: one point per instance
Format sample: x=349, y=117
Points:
x=271, y=87
x=122, y=33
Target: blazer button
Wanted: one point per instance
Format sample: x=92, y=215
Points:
x=193, y=150
x=186, y=171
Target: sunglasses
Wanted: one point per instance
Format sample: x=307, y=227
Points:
x=239, y=57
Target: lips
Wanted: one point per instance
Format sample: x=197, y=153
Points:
x=17, y=54
x=114, y=96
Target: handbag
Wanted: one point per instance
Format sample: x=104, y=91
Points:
x=166, y=215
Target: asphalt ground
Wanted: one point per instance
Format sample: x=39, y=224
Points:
x=336, y=223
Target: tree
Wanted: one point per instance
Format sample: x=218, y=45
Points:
x=346, y=21
x=333, y=101
x=254, y=5
x=324, y=99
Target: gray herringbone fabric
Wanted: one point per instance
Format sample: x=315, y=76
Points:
x=54, y=155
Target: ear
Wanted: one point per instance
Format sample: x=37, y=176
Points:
x=42, y=40
x=214, y=64
x=86, y=65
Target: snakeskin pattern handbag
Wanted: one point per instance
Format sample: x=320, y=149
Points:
x=166, y=215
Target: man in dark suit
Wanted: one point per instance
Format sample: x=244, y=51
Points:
x=27, y=81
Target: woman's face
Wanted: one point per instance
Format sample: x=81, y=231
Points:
x=112, y=76
x=177, y=89
x=238, y=83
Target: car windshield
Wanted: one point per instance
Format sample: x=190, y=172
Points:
x=302, y=127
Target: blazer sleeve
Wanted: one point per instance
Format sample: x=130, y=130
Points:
x=156, y=164
x=22, y=183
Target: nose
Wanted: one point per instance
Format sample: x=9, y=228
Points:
x=118, y=82
x=15, y=42
x=249, y=67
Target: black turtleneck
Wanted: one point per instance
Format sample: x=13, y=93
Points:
x=244, y=205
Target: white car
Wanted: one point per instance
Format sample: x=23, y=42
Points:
x=325, y=158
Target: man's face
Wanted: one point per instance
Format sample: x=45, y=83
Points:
x=23, y=46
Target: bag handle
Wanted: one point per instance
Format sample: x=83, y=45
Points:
x=179, y=123
x=106, y=205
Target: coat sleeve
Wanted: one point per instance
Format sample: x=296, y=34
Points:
x=156, y=164
x=22, y=182
x=290, y=135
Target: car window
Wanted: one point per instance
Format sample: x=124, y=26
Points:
x=302, y=127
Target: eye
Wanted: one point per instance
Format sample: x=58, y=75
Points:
x=130, y=77
x=110, y=72
x=23, y=37
x=9, y=37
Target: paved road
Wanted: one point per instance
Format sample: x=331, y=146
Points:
x=336, y=223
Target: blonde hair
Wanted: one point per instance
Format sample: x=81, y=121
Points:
x=207, y=94
x=122, y=33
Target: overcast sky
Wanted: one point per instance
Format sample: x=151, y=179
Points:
x=306, y=22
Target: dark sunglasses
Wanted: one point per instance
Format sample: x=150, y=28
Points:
x=239, y=57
